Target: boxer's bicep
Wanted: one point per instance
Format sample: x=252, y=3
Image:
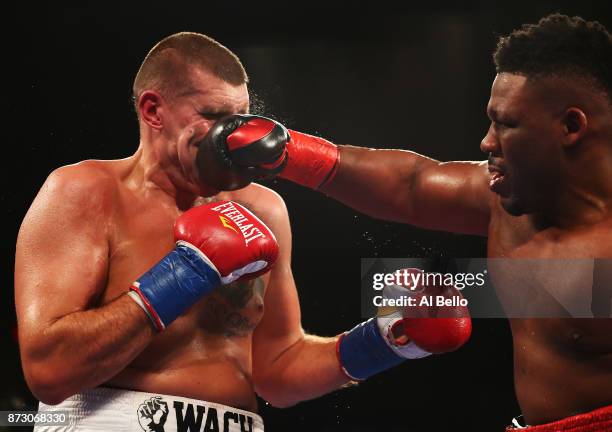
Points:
x=451, y=196
x=62, y=250
x=407, y=187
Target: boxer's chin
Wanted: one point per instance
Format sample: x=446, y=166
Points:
x=513, y=206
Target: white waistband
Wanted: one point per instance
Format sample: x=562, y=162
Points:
x=107, y=409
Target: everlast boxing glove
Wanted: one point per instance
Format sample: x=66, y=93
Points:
x=216, y=244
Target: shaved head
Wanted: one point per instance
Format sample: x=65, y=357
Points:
x=166, y=67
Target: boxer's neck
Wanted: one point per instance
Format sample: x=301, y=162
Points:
x=151, y=174
x=584, y=196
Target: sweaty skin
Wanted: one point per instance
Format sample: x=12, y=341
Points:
x=562, y=366
x=539, y=201
x=213, y=339
x=96, y=226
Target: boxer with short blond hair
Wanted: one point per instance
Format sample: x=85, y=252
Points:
x=140, y=289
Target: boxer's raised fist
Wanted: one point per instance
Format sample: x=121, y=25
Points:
x=234, y=240
x=216, y=244
x=433, y=329
x=241, y=148
x=152, y=414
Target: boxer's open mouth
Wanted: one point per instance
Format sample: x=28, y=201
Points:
x=497, y=179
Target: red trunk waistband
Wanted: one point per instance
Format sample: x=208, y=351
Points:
x=598, y=420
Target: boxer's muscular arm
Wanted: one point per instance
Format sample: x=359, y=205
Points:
x=388, y=184
x=288, y=365
x=406, y=187
x=67, y=343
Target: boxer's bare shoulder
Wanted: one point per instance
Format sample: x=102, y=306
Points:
x=87, y=183
x=266, y=203
x=521, y=237
x=103, y=178
x=86, y=193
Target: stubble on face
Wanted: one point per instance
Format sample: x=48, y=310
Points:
x=206, y=100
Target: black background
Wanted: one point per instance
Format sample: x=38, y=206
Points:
x=379, y=76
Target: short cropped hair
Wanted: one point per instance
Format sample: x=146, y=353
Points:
x=559, y=45
x=165, y=68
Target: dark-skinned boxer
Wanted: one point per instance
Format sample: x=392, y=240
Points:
x=544, y=193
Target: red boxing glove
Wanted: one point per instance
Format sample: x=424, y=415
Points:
x=438, y=335
x=216, y=244
x=242, y=148
x=433, y=329
x=312, y=161
x=406, y=332
x=212, y=228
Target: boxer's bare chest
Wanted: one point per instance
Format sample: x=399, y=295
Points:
x=553, y=273
x=545, y=278
x=143, y=234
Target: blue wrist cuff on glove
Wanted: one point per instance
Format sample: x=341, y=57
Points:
x=175, y=283
x=363, y=352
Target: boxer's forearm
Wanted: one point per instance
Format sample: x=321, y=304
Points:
x=306, y=370
x=85, y=349
x=396, y=185
x=380, y=183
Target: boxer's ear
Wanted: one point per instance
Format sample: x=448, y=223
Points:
x=148, y=108
x=574, y=126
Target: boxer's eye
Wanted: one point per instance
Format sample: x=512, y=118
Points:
x=503, y=125
x=211, y=115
